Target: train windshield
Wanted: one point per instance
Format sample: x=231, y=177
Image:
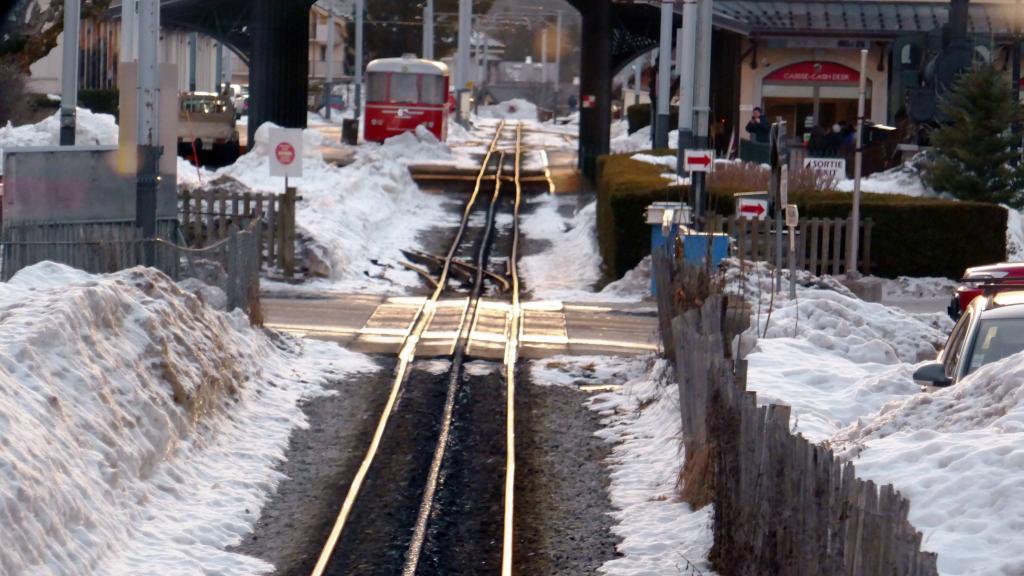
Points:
x=404, y=88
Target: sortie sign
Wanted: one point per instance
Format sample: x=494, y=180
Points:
x=814, y=73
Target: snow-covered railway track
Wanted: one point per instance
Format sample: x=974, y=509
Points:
x=434, y=492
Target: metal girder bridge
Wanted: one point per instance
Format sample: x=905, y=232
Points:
x=270, y=36
x=616, y=34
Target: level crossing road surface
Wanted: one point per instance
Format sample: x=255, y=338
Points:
x=379, y=324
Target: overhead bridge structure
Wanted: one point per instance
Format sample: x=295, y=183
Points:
x=272, y=37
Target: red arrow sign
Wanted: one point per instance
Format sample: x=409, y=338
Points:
x=755, y=209
x=700, y=160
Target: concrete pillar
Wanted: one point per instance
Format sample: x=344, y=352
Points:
x=595, y=83
x=279, y=71
x=69, y=73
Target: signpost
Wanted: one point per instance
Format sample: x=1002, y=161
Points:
x=752, y=208
x=286, y=153
x=792, y=221
x=832, y=167
x=699, y=161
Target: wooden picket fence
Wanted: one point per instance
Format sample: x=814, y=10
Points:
x=821, y=243
x=208, y=215
x=782, y=505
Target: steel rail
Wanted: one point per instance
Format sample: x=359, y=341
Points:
x=511, y=355
x=419, y=535
x=422, y=319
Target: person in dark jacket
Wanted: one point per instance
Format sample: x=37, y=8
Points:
x=758, y=127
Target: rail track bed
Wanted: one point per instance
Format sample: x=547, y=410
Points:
x=434, y=494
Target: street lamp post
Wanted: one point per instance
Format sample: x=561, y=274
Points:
x=69, y=73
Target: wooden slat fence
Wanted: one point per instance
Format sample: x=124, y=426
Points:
x=95, y=247
x=820, y=242
x=207, y=216
x=782, y=505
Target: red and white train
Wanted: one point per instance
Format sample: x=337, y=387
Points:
x=403, y=93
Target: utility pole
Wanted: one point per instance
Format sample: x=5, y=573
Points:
x=664, y=86
x=858, y=159
x=193, y=40
x=69, y=72
x=329, y=73
x=360, y=9
x=544, y=57
x=702, y=103
x=462, y=60
x=148, y=126
x=687, y=82
x=428, y=29
x=558, y=59
x=636, y=84
x=219, y=69
x=129, y=29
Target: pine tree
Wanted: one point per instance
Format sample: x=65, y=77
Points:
x=973, y=152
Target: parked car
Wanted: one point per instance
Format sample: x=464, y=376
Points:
x=981, y=278
x=990, y=329
x=206, y=127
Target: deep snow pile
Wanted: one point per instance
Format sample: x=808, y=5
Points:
x=904, y=180
x=660, y=534
x=829, y=355
x=91, y=130
x=622, y=141
x=366, y=211
x=958, y=454
x=1014, y=235
x=515, y=109
x=569, y=265
x=140, y=429
x=419, y=146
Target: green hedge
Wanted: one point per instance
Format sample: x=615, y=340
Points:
x=910, y=236
x=639, y=116
x=99, y=101
x=625, y=188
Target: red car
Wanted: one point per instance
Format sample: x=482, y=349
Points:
x=985, y=279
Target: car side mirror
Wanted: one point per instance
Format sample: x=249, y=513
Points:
x=933, y=374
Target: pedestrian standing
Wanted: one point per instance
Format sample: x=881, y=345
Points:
x=758, y=127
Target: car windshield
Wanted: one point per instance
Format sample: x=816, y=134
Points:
x=997, y=339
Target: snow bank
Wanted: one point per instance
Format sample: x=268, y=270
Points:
x=1014, y=235
x=418, y=146
x=907, y=287
x=140, y=429
x=623, y=142
x=569, y=266
x=665, y=161
x=572, y=262
x=831, y=318
x=958, y=454
x=91, y=130
x=660, y=534
x=515, y=109
x=904, y=180
x=366, y=211
x=829, y=355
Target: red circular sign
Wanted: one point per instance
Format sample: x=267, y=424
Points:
x=285, y=153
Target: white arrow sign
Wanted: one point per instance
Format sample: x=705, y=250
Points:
x=699, y=161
